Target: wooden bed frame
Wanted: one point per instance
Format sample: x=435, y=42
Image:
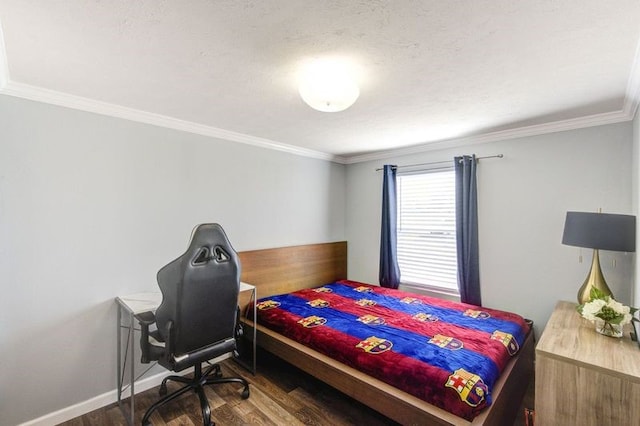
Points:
x=282, y=270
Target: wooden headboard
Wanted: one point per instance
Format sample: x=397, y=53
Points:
x=287, y=269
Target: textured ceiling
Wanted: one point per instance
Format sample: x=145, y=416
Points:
x=429, y=71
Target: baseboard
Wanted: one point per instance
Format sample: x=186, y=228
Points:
x=96, y=402
x=84, y=407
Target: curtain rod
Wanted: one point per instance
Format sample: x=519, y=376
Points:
x=442, y=162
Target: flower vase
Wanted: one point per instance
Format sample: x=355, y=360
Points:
x=607, y=328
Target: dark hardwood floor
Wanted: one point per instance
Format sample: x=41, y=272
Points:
x=280, y=395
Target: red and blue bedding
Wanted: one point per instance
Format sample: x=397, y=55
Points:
x=446, y=353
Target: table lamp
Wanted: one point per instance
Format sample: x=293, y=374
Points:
x=599, y=231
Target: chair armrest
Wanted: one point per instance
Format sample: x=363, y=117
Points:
x=145, y=319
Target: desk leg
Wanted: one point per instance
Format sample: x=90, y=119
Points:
x=122, y=363
x=132, y=359
x=255, y=318
x=119, y=345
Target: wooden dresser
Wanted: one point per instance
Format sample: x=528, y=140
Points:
x=584, y=378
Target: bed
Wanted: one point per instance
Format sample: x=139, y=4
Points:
x=289, y=269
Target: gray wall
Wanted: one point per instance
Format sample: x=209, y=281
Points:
x=91, y=207
x=523, y=199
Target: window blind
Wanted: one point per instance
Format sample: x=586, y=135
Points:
x=427, y=230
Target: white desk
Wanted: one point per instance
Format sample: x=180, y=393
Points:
x=128, y=307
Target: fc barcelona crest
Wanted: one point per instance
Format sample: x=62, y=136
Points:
x=371, y=320
x=470, y=387
x=421, y=316
x=410, y=300
x=476, y=314
x=318, y=303
x=507, y=340
x=374, y=345
x=312, y=321
x=323, y=290
x=363, y=289
x=446, y=342
x=366, y=302
x=268, y=304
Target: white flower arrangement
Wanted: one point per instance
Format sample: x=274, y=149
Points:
x=604, y=308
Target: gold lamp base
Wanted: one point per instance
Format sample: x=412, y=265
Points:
x=594, y=279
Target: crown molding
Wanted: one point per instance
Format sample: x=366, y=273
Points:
x=632, y=98
x=521, y=132
x=34, y=93
x=7, y=87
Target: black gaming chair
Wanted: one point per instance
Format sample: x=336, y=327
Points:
x=198, y=319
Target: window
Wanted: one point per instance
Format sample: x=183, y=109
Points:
x=427, y=230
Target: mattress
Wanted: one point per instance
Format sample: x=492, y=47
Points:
x=446, y=353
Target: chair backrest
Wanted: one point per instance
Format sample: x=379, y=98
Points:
x=200, y=292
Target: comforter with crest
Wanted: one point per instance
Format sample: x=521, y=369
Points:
x=446, y=353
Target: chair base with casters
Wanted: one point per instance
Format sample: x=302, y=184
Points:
x=212, y=375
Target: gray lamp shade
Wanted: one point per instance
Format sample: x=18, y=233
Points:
x=603, y=231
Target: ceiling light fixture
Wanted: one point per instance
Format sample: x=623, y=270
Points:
x=328, y=85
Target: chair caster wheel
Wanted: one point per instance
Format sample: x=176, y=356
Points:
x=217, y=372
x=162, y=391
x=245, y=393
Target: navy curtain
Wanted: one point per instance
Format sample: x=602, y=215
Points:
x=389, y=270
x=467, y=230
